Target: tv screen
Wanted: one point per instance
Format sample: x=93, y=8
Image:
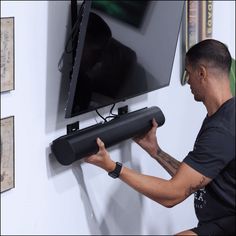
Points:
x=124, y=49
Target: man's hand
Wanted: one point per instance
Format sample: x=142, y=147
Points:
x=148, y=141
x=101, y=158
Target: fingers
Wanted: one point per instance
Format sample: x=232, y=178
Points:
x=152, y=131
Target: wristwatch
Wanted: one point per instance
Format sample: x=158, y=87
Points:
x=116, y=172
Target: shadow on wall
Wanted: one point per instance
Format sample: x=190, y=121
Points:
x=123, y=214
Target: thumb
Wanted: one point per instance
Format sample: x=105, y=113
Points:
x=154, y=123
x=100, y=144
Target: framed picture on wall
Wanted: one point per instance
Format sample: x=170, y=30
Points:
x=196, y=26
x=7, y=153
x=7, y=54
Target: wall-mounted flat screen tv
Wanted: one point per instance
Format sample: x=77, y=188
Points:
x=124, y=49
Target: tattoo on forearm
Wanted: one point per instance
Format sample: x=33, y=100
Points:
x=170, y=164
x=193, y=189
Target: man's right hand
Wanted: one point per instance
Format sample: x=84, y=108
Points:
x=101, y=158
x=148, y=141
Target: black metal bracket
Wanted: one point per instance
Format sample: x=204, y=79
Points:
x=123, y=110
x=72, y=127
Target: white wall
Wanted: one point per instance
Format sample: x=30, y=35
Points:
x=81, y=199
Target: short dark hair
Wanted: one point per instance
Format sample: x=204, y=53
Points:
x=210, y=50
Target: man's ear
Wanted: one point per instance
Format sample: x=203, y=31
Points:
x=202, y=72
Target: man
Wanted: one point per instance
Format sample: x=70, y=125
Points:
x=208, y=171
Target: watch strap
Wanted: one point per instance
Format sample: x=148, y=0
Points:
x=116, y=172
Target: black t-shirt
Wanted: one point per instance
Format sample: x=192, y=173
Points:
x=214, y=157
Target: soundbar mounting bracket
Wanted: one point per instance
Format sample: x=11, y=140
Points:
x=72, y=127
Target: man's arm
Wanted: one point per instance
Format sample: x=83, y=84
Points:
x=166, y=192
x=149, y=143
x=170, y=164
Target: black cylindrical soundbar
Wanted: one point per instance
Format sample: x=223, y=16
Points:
x=81, y=143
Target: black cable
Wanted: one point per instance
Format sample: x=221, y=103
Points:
x=76, y=28
x=112, y=115
x=112, y=110
x=74, y=32
x=101, y=115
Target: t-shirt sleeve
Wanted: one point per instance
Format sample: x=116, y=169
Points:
x=213, y=150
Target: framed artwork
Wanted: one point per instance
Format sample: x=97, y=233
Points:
x=7, y=153
x=7, y=54
x=232, y=77
x=196, y=26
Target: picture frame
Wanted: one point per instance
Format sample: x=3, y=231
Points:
x=184, y=43
x=7, y=54
x=7, y=154
x=196, y=26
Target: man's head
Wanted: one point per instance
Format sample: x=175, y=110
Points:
x=206, y=61
x=212, y=52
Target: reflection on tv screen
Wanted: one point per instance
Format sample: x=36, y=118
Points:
x=131, y=12
x=116, y=59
